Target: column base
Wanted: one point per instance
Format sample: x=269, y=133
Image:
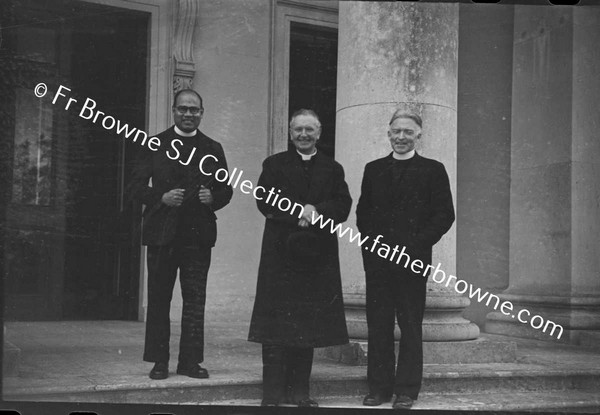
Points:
x=10, y=359
x=481, y=350
x=548, y=318
x=442, y=321
x=590, y=339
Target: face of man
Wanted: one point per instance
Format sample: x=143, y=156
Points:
x=403, y=133
x=304, y=133
x=187, y=112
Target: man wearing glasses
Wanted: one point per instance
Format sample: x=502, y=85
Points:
x=180, y=231
x=405, y=201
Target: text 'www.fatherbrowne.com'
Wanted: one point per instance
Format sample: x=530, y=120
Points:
x=400, y=256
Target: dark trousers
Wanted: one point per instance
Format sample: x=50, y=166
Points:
x=193, y=263
x=286, y=372
x=390, y=297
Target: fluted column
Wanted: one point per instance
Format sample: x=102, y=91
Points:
x=555, y=165
x=399, y=55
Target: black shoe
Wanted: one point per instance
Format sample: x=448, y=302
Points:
x=193, y=370
x=403, y=402
x=376, y=399
x=159, y=371
x=307, y=403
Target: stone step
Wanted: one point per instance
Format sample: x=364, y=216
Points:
x=471, y=379
x=481, y=350
x=551, y=401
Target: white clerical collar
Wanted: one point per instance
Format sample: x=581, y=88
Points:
x=306, y=156
x=181, y=133
x=404, y=156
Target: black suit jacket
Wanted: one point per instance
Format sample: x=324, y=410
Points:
x=415, y=212
x=161, y=222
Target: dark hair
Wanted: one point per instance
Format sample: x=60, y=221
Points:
x=187, y=91
x=407, y=114
x=304, y=111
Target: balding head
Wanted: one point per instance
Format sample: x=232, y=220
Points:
x=409, y=115
x=187, y=92
x=308, y=112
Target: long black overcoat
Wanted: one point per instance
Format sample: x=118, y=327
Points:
x=414, y=213
x=298, y=300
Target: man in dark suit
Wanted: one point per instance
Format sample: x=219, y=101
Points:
x=180, y=231
x=405, y=201
x=299, y=304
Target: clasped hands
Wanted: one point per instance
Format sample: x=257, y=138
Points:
x=174, y=197
x=307, y=216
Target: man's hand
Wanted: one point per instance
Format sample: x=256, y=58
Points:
x=173, y=197
x=308, y=213
x=303, y=223
x=306, y=219
x=205, y=195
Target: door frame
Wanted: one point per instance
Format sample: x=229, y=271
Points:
x=159, y=84
x=159, y=87
x=317, y=13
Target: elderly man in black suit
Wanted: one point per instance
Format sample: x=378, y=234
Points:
x=180, y=231
x=405, y=201
x=299, y=303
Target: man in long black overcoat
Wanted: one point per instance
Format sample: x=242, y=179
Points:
x=299, y=304
x=179, y=228
x=405, y=201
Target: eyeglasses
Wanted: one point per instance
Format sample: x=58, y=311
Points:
x=182, y=109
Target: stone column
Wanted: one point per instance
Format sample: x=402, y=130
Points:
x=399, y=55
x=555, y=171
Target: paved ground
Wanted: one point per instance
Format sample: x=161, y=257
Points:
x=100, y=361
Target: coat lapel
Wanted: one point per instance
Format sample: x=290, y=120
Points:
x=319, y=174
x=383, y=180
x=295, y=174
x=413, y=175
x=410, y=179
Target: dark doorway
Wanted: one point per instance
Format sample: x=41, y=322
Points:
x=313, y=76
x=72, y=247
